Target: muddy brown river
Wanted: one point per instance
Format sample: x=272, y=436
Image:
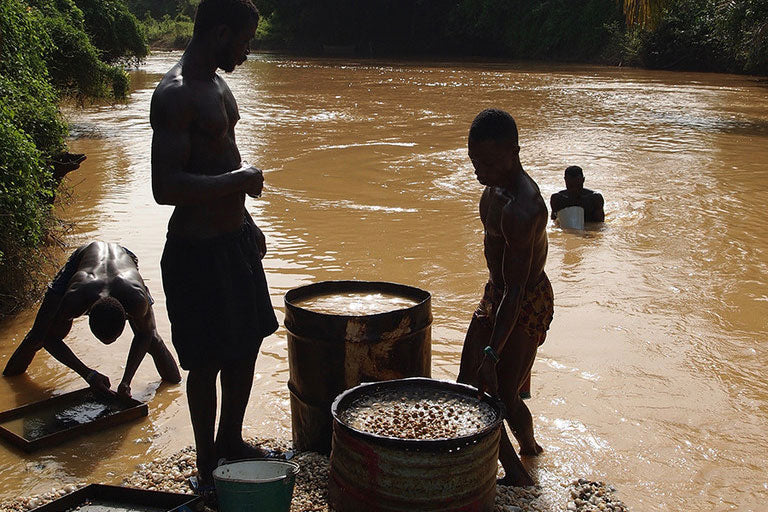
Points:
x=653, y=375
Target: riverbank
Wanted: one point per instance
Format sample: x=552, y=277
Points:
x=170, y=474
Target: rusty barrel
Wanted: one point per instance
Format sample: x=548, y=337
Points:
x=384, y=474
x=329, y=353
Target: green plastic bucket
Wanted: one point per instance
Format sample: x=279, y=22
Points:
x=255, y=485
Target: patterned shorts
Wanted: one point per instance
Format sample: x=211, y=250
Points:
x=536, y=311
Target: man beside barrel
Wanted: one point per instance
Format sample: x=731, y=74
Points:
x=517, y=307
x=216, y=290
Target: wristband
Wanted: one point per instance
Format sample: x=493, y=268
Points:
x=488, y=351
x=89, y=376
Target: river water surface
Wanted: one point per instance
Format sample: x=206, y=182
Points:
x=653, y=374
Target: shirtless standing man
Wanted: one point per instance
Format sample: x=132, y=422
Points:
x=515, y=312
x=216, y=291
x=100, y=280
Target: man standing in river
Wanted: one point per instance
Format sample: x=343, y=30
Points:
x=216, y=290
x=515, y=312
x=576, y=195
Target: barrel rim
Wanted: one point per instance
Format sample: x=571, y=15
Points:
x=418, y=294
x=419, y=444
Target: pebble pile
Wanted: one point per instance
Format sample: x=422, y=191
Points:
x=310, y=493
x=38, y=500
x=589, y=496
x=418, y=414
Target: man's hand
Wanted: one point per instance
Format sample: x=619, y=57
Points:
x=254, y=183
x=261, y=241
x=486, y=377
x=98, y=382
x=124, y=389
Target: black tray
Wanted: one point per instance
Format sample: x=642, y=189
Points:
x=57, y=419
x=112, y=498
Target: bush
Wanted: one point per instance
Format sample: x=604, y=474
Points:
x=114, y=30
x=73, y=61
x=43, y=43
x=169, y=33
x=31, y=130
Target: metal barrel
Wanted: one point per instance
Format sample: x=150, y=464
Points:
x=328, y=354
x=383, y=474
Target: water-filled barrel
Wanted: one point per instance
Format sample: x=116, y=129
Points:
x=331, y=350
x=380, y=473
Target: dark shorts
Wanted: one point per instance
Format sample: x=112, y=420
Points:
x=217, y=298
x=61, y=280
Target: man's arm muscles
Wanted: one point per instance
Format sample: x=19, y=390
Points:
x=171, y=152
x=33, y=341
x=63, y=354
x=515, y=267
x=553, y=202
x=599, y=212
x=143, y=334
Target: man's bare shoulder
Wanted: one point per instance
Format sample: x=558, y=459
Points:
x=523, y=214
x=172, y=100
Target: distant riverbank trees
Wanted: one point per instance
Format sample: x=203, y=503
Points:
x=708, y=35
x=48, y=48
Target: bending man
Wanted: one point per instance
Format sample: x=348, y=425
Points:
x=100, y=280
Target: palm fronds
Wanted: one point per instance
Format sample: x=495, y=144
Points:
x=642, y=12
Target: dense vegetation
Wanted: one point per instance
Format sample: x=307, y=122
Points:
x=713, y=35
x=48, y=48
x=710, y=35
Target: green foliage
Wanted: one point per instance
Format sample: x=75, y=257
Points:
x=725, y=35
x=31, y=130
x=45, y=44
x=24, y=184
x=74, y=63
x=24, y=86
x=157, y=9
x=114, y=30
x=709, y=35
x=642, y=13
x=172, y=33
x=561, y=29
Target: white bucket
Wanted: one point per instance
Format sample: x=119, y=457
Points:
x=571, y=217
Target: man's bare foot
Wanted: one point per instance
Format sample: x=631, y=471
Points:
x=516, y=480
x=531, y=452
x=205, y=489
x=241, y=450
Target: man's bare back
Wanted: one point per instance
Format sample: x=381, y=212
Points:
x=107, y=268
x=95, y=273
